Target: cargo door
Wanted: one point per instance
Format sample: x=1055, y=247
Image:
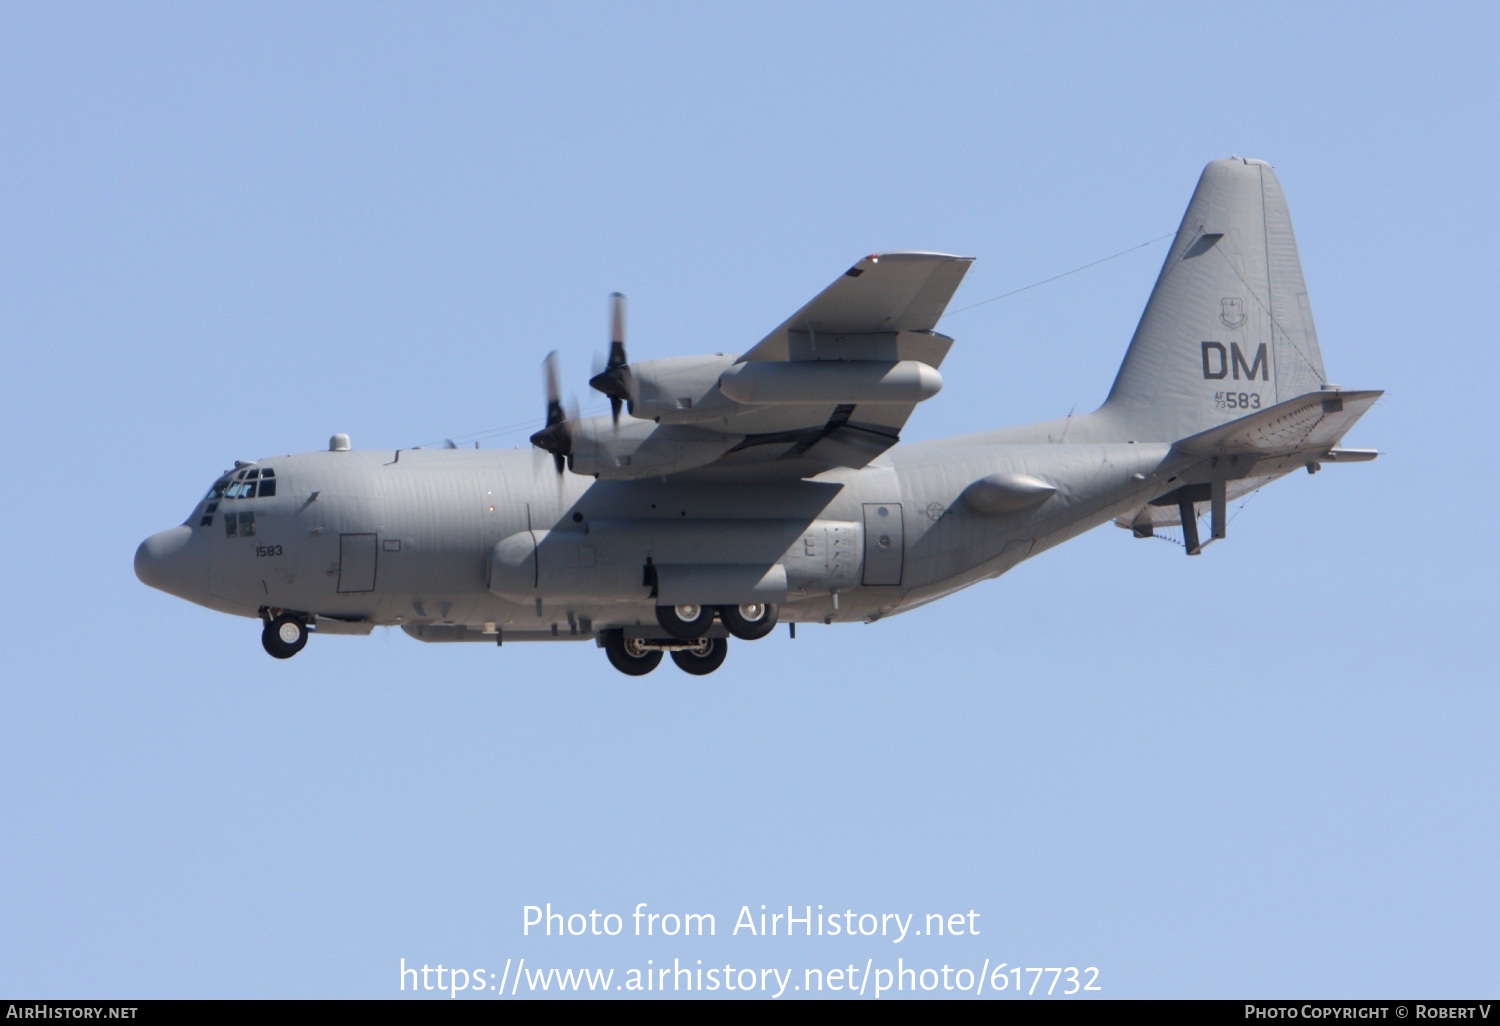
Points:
x=356, y=562
x=884, y=543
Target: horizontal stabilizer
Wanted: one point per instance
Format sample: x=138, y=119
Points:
x=1307, y=424
x=1342, y=455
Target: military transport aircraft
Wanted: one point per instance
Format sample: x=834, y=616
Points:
x=735, y=492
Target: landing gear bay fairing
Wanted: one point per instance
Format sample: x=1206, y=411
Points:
x=723, y=495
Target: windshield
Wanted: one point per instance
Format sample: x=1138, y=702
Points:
x=250, y=483
x=256, y=482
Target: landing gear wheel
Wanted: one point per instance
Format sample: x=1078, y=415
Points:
x=284, y=636
x=704, y=657
x=629, y=656
x=749, y=621
x=687, y=622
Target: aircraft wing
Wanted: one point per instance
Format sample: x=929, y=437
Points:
x=832, y=386
x=880, y=296
x=882, y=309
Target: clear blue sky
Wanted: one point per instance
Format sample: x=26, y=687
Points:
x=227, y=231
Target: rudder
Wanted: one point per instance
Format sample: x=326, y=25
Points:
x=1228, y=328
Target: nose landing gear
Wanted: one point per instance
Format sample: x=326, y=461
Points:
x=284, y=636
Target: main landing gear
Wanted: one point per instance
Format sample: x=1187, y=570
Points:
x=631, y=656
x=688, y=622
x=637, y=657
x=747, y=622
x=687, y=626
x=750, y=621
x=283, y=636
x=704, y=657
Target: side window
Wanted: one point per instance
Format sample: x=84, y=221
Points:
x=267, y=487
x=247, y=525
x=229, y=525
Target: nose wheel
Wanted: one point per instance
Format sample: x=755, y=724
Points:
x=284, y=636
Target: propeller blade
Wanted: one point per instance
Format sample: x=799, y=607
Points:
x=617, y=330
x=555, y=437
x=614, y=380
x=554, y=390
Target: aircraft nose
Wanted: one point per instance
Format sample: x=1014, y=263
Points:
x=174, y=561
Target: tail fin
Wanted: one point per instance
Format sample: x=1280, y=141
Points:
x=1228, y=329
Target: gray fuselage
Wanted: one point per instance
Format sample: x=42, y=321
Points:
x=406, y=537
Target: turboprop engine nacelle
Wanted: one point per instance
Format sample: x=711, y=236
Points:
x=704, y=561
x=679, y=389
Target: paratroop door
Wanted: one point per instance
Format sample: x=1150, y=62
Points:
x=356, y=562
x=884, y=543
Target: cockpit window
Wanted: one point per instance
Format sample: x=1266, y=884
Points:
x=246, y=486
x=211, y=501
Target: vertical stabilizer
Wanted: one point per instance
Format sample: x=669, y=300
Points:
x=1228, y=329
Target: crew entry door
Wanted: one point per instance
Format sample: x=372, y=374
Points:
x=884, y=543
x=356, y=562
